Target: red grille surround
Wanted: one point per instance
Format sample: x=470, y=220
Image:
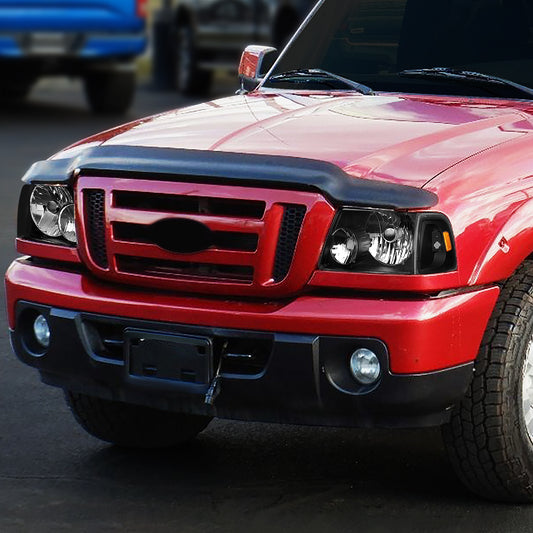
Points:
x=217, y=269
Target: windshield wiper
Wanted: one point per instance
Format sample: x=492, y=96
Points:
x=310, y=75
x=464, y=75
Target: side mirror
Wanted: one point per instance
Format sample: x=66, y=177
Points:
x=255, y=62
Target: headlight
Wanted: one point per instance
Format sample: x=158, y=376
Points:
x=52, y=211
x=385, y=241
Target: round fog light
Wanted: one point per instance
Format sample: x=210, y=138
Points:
x=41, y=330
x=365, y=366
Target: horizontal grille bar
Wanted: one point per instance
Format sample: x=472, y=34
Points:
x=152, y=251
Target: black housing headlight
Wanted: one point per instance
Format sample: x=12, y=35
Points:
x=389, y=242
x=46, y=212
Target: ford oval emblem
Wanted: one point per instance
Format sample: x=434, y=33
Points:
x=181, y=235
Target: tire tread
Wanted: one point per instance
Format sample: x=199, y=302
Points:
x=481, y=449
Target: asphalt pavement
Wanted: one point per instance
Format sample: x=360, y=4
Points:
x=235, y=476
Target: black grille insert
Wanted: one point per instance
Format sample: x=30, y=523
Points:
x=288, y=236
x=222, y=240
x=189, y=204
x=177, y=269
x=95, y=217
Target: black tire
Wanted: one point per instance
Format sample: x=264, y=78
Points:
x=487, y=439
x=133, y=426
x=190, y=80
x=110, y=91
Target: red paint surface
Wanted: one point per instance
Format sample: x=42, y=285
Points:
x=48, y=251
x=421, y=335
x=403, y=139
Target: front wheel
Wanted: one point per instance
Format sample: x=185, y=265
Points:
x=110, y=91
x=133, y=426
x=490, y=436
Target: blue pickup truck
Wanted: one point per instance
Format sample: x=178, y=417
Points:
x=96, y=40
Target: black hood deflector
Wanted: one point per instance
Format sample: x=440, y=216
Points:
x=278, y=172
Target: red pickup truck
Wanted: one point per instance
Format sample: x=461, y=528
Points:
x=346, y=242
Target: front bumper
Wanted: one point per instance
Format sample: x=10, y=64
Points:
x=426, y=348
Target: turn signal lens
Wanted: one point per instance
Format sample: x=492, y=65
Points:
x=447, y=241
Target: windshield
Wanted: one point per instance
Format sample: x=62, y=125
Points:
x=372, y=41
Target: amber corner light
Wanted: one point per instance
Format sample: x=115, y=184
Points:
x=447, y=241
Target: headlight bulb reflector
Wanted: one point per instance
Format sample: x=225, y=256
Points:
x=391, y=236
x=46, y=204
x=67, y=223
x=344, y=246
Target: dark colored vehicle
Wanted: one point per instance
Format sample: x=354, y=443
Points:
x=347, y=242
x=96, y=40
x=211, y=34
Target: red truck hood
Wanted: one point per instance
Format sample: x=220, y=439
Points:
x=397, y=138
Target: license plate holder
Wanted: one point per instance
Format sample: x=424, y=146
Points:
x=47, y=44
x=170, y=357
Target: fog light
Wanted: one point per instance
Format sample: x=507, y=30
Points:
x=365, y=366
x=41, y=330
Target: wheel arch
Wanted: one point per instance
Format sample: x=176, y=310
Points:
x=509, y=248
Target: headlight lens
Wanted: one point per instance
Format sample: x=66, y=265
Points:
x=50, y=204
x=391, y=238
x=388, y=242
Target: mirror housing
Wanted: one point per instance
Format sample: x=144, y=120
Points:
x=254, y=65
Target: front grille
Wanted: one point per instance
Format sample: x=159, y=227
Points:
x=95, y=200
x=209, y=238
